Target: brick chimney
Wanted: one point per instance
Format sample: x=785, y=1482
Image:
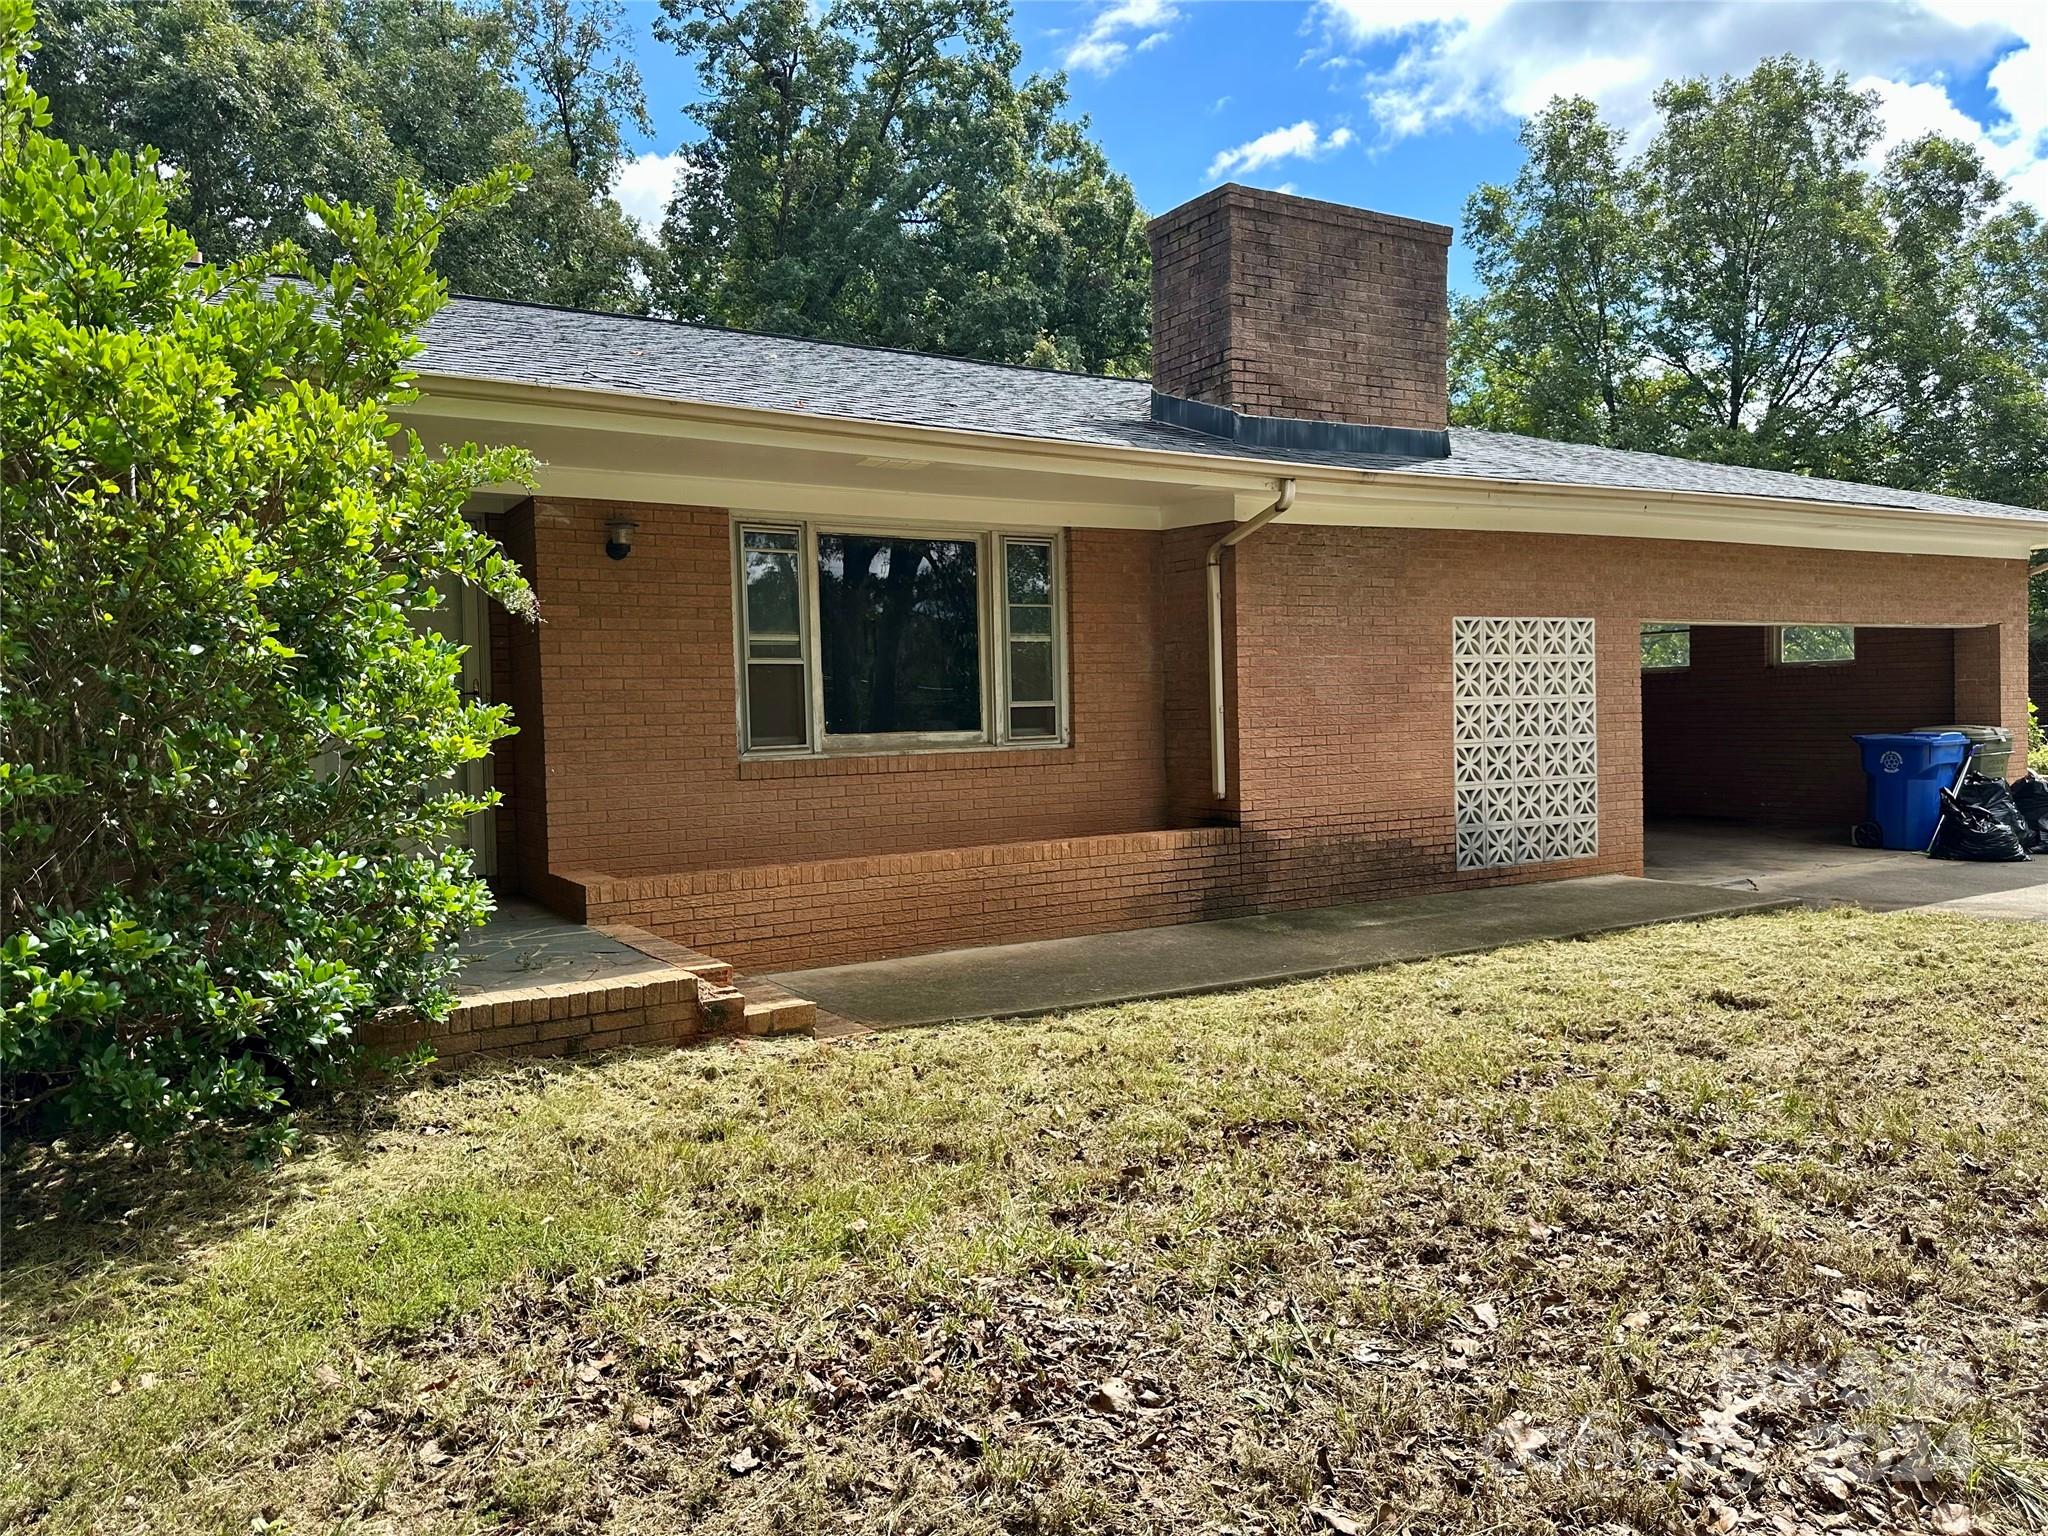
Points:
x=1285, y=322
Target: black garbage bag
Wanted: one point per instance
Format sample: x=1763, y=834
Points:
x=2030, y=797
x=1992, y=797
x=1975, y=836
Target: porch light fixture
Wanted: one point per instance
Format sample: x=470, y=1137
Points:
x=618, y=537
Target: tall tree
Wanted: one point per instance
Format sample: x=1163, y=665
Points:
x=1748, y=290
x=1766, y=247
x=255, y=104
x=1961, y=352
x=1556, y=345
x=873, y=171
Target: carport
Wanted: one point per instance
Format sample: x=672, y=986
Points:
x=1749, y=726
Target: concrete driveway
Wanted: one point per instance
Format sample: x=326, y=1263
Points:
x=1819, y=866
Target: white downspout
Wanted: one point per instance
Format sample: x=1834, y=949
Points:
x=1218, y=758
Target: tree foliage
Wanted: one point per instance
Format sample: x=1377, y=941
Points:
x=872, y=171
x=1555, y=347
x=1747, y=290
x=257, y=104
x=225, y=745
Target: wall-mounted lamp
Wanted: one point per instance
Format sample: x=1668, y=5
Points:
x=618, y=537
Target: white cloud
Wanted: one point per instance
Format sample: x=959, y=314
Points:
x=1300, y=142
x=1107, y=40
x=1487, y=60
x=645, y=184
x=1913, y=110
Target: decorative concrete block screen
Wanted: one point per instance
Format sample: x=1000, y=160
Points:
x=1526, y=759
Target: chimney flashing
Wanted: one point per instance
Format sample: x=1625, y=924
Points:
x=1297, y=434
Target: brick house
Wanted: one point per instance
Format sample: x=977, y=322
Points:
x=848, y=652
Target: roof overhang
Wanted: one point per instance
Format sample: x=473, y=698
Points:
x=616, y=446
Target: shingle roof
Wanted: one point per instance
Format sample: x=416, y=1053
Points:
x=534, y=344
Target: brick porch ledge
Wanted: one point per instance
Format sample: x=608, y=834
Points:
x=828, y=910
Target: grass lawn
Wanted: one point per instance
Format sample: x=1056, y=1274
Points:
x=1740, y=1225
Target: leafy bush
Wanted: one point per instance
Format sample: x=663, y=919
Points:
x=226, y=804
x=2037, y=740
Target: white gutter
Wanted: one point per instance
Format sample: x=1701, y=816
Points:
x=1218, y=770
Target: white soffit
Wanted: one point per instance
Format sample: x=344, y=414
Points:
x=601, y=447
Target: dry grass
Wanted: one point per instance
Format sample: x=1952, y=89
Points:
x=1691, y=1228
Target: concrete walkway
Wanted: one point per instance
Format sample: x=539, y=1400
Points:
x=1053, y=975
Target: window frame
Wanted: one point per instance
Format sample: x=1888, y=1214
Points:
x=1644, y=628
x=742, y=635
x=997, y=588
x=992, y=622
x=1780, y=659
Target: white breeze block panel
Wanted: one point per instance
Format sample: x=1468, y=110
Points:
x=1525, y=741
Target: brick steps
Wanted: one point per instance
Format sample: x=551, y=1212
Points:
x=684, y=998
x=727, y=1003
x=724, y=1007
x=770, y=1010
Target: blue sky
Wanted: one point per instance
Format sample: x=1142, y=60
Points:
x=1407, y=105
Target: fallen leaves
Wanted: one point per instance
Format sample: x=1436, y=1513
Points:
x=1112, y=1396
x=1565, y=1245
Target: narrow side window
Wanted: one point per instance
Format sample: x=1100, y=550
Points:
x=1030, y=656
x=775, y=701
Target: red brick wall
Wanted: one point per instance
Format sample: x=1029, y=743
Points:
x=643, y=769
x=1286, y=306
x=1340, y=661
x=1343, y=675
x=1735, y=735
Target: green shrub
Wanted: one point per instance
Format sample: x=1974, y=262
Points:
x=226, y=812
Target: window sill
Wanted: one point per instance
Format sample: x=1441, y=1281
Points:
x=903, y=760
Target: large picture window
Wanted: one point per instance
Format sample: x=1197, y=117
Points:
x=887, y=639
x=899, y=634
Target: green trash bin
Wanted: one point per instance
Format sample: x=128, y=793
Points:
x=1991, y=747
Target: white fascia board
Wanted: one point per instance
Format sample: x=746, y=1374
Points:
x=1192, y=488
x=1685, y=517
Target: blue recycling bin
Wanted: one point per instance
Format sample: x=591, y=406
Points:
x=1907, y=774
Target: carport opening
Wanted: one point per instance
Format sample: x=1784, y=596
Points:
x=1748, y=727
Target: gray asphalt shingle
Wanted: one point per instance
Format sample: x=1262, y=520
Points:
x=532, y=344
